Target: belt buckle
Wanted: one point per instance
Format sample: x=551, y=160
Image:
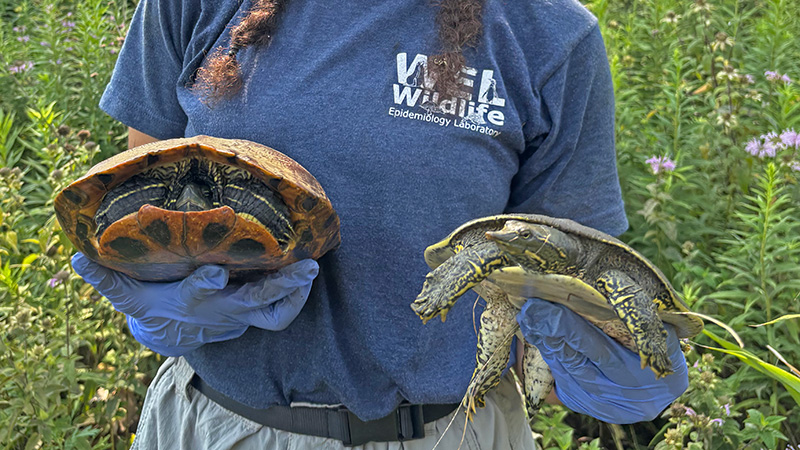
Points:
x=403, y=424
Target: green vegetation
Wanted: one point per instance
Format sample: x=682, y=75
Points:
x=707, y=108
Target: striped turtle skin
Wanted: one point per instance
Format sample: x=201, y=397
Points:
x=158, y=211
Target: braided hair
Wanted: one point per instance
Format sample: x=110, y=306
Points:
x=458, y=21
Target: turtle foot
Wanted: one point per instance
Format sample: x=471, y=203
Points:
x=471, y=405
x=427, y=308
x=653, y=353
x=638, y=312
x=537, y=380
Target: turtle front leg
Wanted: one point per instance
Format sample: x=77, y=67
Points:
x=536, y=379
x=445, y=284
x=498, y=326
x=638, y=312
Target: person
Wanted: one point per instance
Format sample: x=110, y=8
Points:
x=415, y=118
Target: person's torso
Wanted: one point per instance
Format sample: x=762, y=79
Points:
x=342, y=90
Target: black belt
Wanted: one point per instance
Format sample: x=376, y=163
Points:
x=403, y=424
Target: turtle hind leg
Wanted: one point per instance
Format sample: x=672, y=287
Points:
x=445, y=284
x=638, y=312
x=498, y=326
x=537, y=380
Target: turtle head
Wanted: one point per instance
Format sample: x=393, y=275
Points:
x=546, y=247
x=194, y=197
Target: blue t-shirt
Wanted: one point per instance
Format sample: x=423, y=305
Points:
x=342, y=90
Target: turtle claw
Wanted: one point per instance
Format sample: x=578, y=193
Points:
x=427, y=307
x=657, y=360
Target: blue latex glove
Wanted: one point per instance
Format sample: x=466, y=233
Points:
x=596, y=375
x=177, y=317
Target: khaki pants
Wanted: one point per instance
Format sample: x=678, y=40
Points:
x=175, y=416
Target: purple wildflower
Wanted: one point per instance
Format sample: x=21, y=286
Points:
x=772, y=143
x=25, y=38
x=44, y=44
x=20, y=29
x=727, y=408
x=749, y=78
x=58, y=62
x=661, y=163
x=67, y=24
x=69, y=49
x=53, y=282
x=795, y=166
x=717, y=422
x=753, y=146
x=790, y=138
x=24, y=67
x=690, y=412
x=775, y=76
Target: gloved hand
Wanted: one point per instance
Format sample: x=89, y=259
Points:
x=174, y=318
x=596, y=375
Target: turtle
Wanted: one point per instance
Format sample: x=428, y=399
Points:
x=508, y=258
x=158, y=211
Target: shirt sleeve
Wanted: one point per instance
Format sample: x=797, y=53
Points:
x=568, y=168
x=142, y=92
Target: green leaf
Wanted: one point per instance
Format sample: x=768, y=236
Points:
x=29, y=259
x=789, y=381
x=33, y=441
x=779, y=319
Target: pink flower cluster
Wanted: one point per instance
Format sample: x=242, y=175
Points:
x=660, y=164
x=24, y=67
x=775, y=77
x=769, y=144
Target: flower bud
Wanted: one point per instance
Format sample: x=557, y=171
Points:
x=57, y=174
x=90, y=145
x=63, y=130
x=23, y=317
x=673, y=437
x=84, y=135
x=62, y=275
x=677, y=410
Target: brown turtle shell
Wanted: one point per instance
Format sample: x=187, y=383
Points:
x=156, y=244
